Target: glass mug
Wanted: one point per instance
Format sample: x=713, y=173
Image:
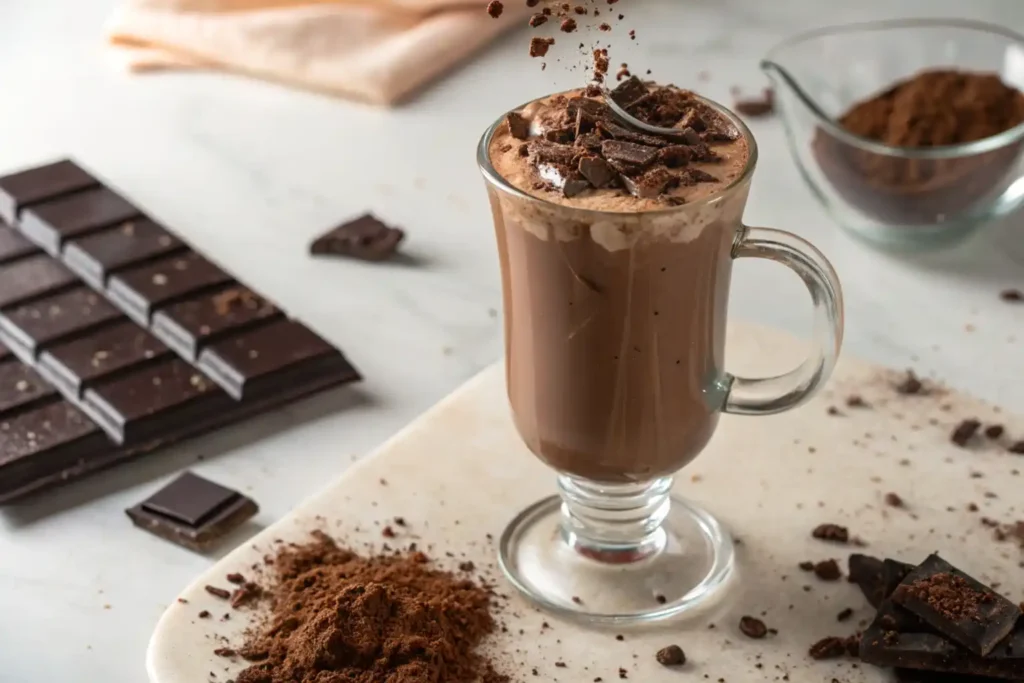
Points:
x=614, y=342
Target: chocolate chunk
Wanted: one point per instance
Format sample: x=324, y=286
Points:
x=893, y=500
x=629, y=91
x=568, y=25
x=624, y=134
x=495, y=8
x=20, y=387
x=675, y=156
x=539, y=46
x=844, y=614
x=591, y=142
x=629, y=153
x=18, y=190
x=752, y=627
x=892, y=640
x=964, y=432
x=994, y=431
x=518, y=125
x=51, y=222
x=96, y=256
x=141, y=290
x=536, y=20
x=868, y=573
x=831, y=647
x=831, y=532
x=34, y=325
x=910, y=384
x=273, y=358
x=31, y=278
x=650, y=185
x=78, y=363
x=13, y=245
x=828, y=570
x=575, y=186
x=672, y=655
x=956, y=605
x=235, y=578
x=156, y=399
x=188, y=326
x=195, y=513
x=365, y=238
x=755, y=107
x=585, y=123
x=563, y=136
x=221, y=593
x=545, y=152
x=597, y=171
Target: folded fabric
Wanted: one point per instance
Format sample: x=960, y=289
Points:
x=376, y=51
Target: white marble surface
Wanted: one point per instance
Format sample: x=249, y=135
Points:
x=250, y=172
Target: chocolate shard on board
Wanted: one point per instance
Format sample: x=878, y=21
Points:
x=518, y=125
x=95, y=257
x=189, y=325
x=957, y=605
x=629, y=91
x=597, y=171
x=20, y=387
x=619, y=132
x=78, y=363
x=18, y=190
x=281, y=354
x=366, y=238
x=13, y=244
x=32, y=326
x=51, y=222
x=31, y=278
x=36, y=442
x=898, y=639
x=141, y=290
x=193, y=512
x=629, y=153
x=158, y=399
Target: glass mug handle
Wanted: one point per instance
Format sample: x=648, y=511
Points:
x=770, y=395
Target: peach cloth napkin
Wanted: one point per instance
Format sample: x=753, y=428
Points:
x=378, y=51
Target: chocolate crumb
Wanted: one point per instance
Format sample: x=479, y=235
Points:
x=910, y=385
x=672, y=655
x=218, y=592
x=577, y=599
x=518, y=126
x=183, y=601
x=235, y=578
x=830, y=647
x=539, y=46
x=844, y=614
x=1013, y=295
x=620, y=637
x=224, y=652
x=1017, y=448
x=753, y=627
x=833, y=411
x=855, y=401
x=972, y=507
x=893, y=500
x=831, y=532
x=806, y=566
x=994, y=431
x=661, y=599
x=535, y=21
x=828, y=570
x=605, y=27
x=757, y=106
x=495, y=8
x=205, y=614
x=388, y=532
x=467, y=566
x=964, y=432
x=568, y=25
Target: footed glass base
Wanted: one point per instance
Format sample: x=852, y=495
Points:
x=687, y=560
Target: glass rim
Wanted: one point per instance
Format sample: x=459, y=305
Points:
x=483, y=159
x=771, y=63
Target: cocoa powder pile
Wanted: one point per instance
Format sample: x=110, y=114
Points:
x=933, y=108
x=337, y=616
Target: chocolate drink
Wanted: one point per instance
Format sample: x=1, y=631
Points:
x=615, y=300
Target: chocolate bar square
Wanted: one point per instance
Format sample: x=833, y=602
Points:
x=32, y=325
x=142, y=290
x=18, y=190
x=193, y=512
x=96, y=256
x=51, y=222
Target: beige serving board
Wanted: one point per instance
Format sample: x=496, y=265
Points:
x=459, y=473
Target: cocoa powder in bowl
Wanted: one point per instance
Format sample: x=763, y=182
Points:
x=340, y=617
x=931, y=109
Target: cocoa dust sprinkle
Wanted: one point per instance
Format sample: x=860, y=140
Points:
x=338, y=616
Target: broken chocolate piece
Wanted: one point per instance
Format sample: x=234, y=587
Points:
x=365, y=238
x=575, y=186
x=650, y=184
x=540, y=46
x=755, y=107
x=964, y=432
x=545, y=152
x=597, y=171
x=518, y=126
x=831, y=532
x=957, y=605
x=193, y=512
x=672, y=655
x=629, y=92
x=910, y=385
x=752, y=627
x=828, y=570
x=630, y=154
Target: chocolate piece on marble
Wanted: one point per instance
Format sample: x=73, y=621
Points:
x=78, y=363
x=366, y=238
x=189, y=325
x=21, y=189
x=20, y=386
x=53, y=221
x=957, y=605
x=141, y=290
x=96, y=256
x=32, y=277
x=274, y=357
x=193, y=512
x=31, y=326
x=155, y=401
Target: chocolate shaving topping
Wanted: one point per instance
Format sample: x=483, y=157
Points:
x=629, y=153
x=575, y=186
x=545, y=152
x=597, y=171
x=518, y=126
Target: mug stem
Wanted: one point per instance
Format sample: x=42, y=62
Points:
x=614, y=524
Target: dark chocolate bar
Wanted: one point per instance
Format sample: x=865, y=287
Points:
x=957, y=605
x=25, y=188
x=898, y=639
x=94, y=257
x=189, y=325
x=139, y=291
x=12, y=245
x=51, y=222
x=32, y=277
x=193, y=512
x=281, y=353
x=20, y=386
x=31, y=326
x=366, y=238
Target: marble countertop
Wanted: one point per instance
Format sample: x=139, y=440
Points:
x=250, y=172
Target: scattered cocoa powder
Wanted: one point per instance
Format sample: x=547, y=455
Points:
x=948, y=594
x=338, y=616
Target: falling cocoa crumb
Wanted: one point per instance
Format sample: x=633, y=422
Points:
x=495, y=8
x=828, y=570
x=833, y=411
x=568, y=25
x=893, y=500
x=623, y=72
x=467, y=566
x=605, y=27
x=536, y=20
x=753, y=627
x=672, y=655
x=806, y=566
x=831, y=532
x=539, y=46
x=756, y=107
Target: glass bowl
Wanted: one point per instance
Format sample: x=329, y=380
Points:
x=899, y=197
